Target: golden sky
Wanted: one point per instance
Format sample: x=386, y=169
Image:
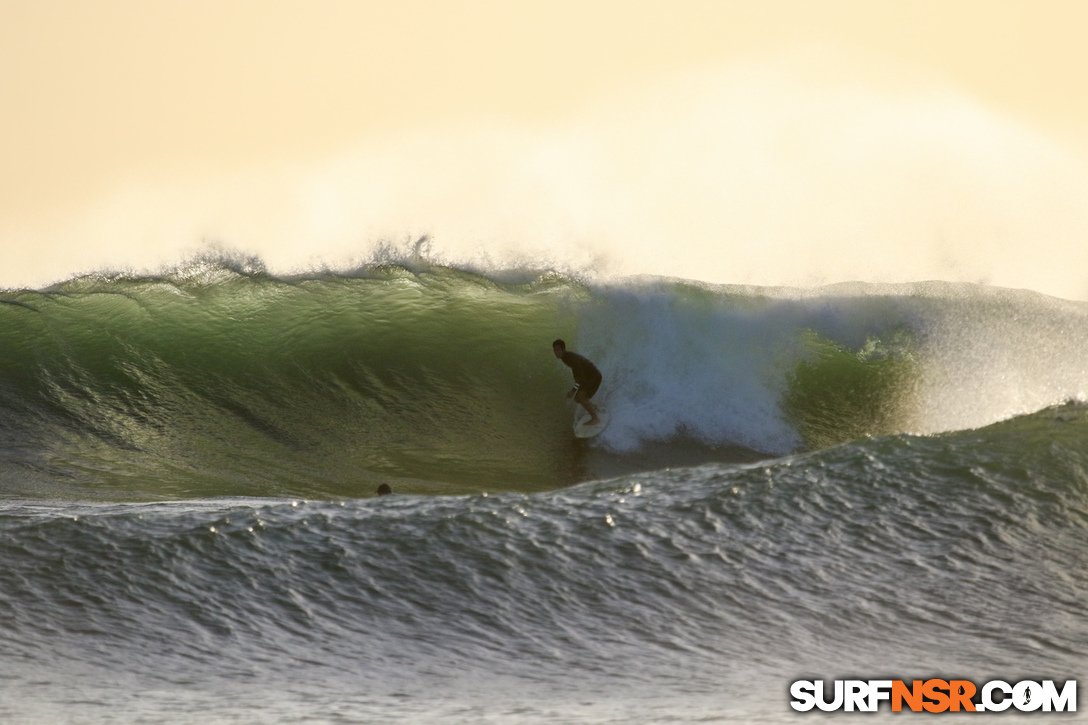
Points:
x=92, y=92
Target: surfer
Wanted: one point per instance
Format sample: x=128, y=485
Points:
x=587, y=378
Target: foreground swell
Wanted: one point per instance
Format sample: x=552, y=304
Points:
x=695, y=593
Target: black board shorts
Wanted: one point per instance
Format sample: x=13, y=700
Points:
x=590, y=386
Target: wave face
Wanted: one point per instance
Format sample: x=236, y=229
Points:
x=217, y=380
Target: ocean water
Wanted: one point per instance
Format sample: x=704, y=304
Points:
x=874, y=481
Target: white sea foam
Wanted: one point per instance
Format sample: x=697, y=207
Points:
x=715, y=364
x=698, y=367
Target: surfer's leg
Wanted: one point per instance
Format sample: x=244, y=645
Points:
x=580, y=397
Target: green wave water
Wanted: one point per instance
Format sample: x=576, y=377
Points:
x=837, y=394
x=215, y=380
x=219, y=383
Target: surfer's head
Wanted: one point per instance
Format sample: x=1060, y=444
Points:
x=384, y=490
x=559, y=347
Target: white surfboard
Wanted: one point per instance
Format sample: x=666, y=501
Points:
x=582, y=428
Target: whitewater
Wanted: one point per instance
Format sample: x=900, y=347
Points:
x=847, y=381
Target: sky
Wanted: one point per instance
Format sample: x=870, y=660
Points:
x=97, y=97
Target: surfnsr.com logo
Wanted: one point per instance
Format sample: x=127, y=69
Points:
x=934, y=695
